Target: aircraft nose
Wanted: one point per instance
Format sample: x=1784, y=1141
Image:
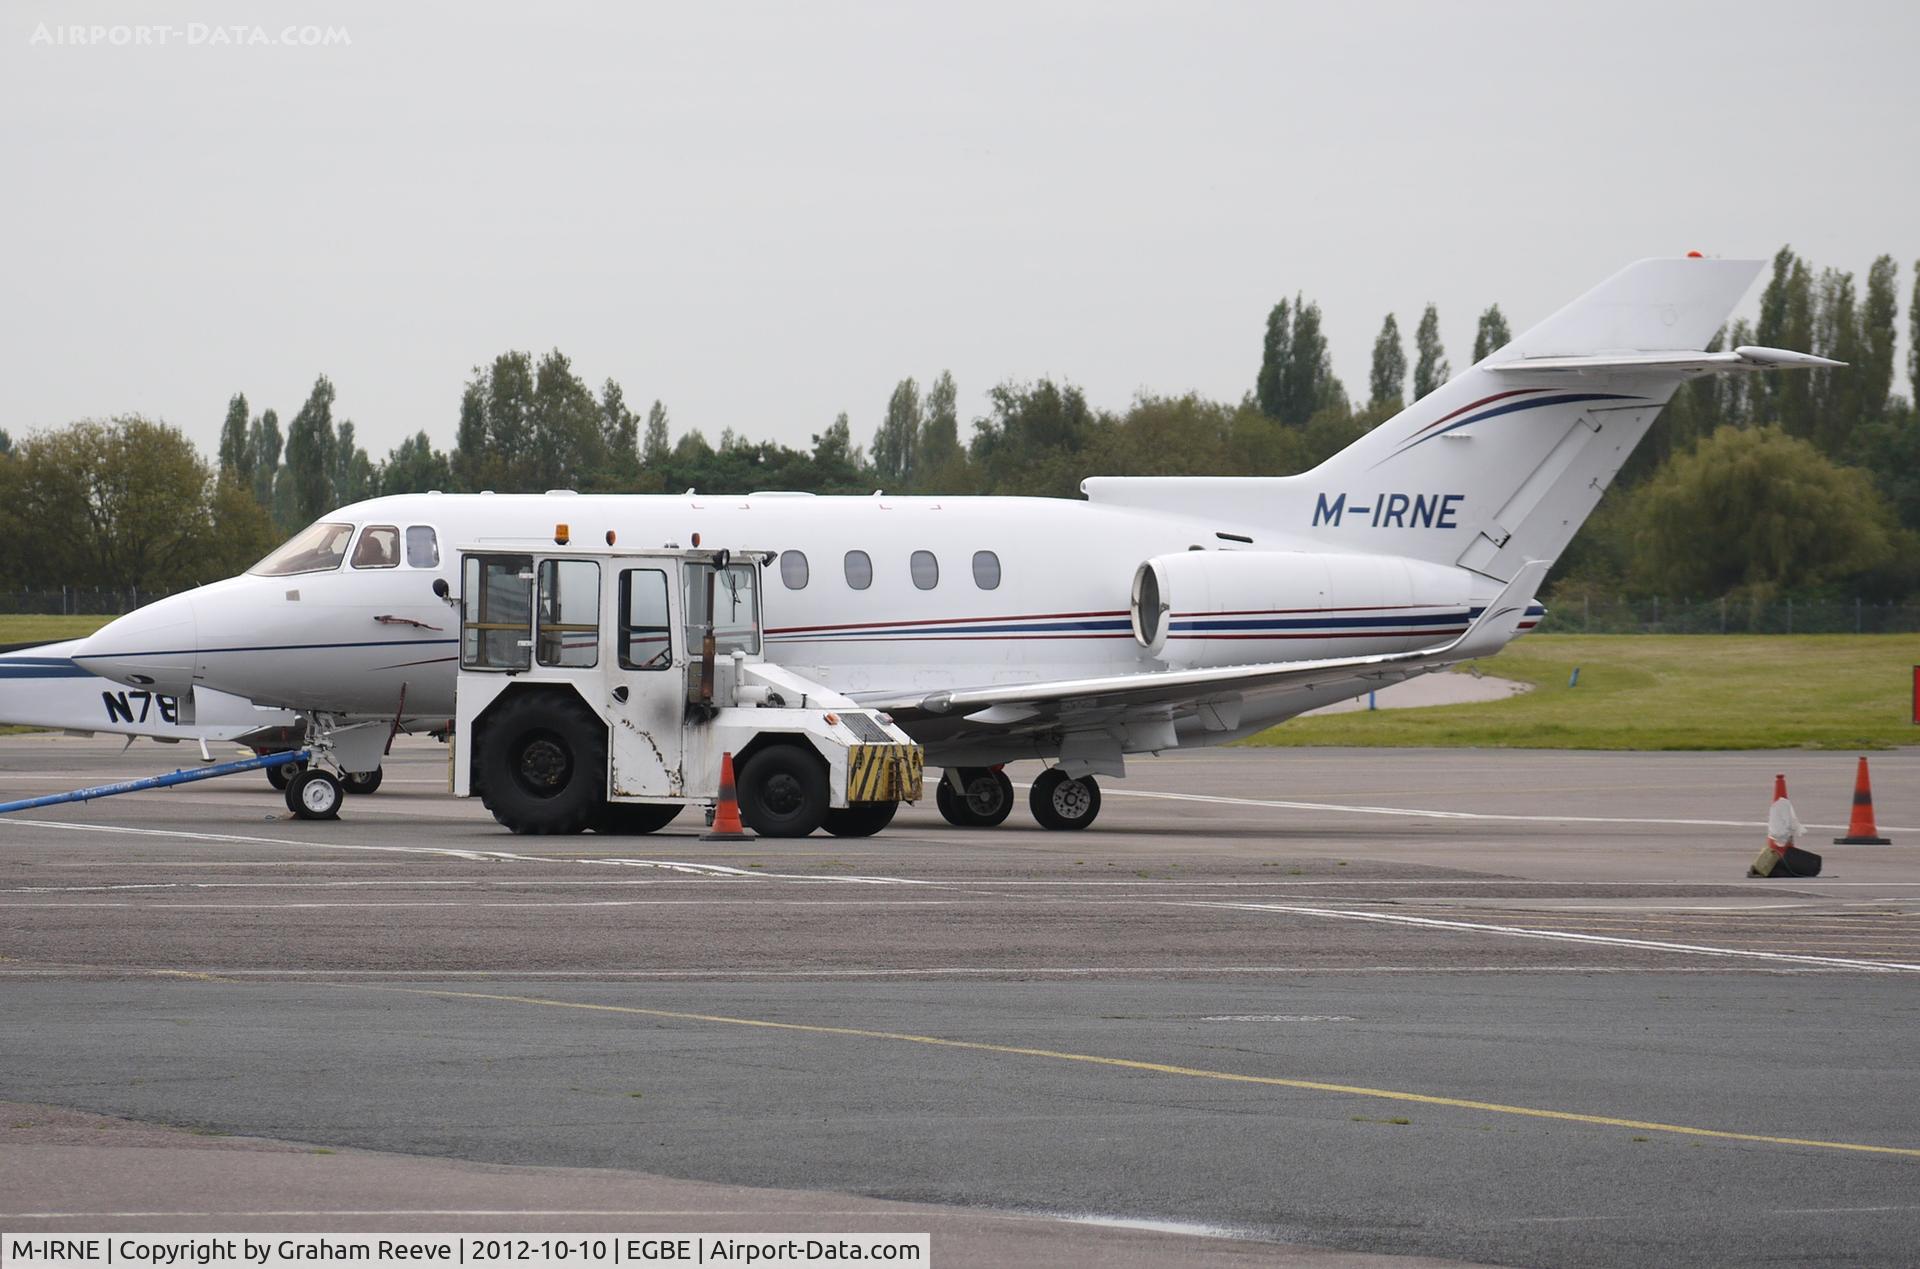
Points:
x=154, y=647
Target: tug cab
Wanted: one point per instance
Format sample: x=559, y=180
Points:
x=598, y=688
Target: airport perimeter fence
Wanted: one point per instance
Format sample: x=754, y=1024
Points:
x=1597, y=615
x=87, y=600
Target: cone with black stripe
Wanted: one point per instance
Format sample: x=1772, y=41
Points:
x=726, y=812
x=1780, y=857
x=1861, y=830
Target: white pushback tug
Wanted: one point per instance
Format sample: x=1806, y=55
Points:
x=599, y=688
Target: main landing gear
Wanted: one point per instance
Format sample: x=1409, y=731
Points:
x=985, y=798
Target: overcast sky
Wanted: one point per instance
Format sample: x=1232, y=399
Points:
x=767, y=214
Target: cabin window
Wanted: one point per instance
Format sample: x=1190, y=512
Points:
x=926, y=570
x=379, y=547
x=318, y=548
x=986, y=570
x=793, y=570
x=569, y=633
x=496, y=625
x=423, y=546
x=645, y=628
x=859, y=566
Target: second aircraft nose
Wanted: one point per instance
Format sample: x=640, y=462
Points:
x=154, y=647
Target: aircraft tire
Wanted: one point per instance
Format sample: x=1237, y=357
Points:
x=987, y=802
x=863, y=820
x=1060, y=802
x=361, y=783
x=315, y=794
x=631, y=819
x=541, y=765
x=281, y=776
x=783, y=792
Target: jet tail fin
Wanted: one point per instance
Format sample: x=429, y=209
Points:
x=1500, y=465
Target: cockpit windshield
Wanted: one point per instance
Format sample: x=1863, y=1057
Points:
x=318, y=548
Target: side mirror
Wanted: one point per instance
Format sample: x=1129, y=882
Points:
x=440, y=587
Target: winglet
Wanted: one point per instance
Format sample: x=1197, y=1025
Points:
x=1500, y=620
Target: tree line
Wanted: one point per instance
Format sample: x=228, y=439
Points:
x=1752, y=486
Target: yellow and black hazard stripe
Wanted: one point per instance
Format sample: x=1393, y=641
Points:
x=885, y=773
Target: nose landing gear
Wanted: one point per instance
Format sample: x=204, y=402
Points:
x=315, y=794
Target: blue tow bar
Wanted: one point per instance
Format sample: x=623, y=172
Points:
x=160, y=781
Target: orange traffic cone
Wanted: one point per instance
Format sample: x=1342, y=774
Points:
x=726, y=813
x=1860, y=828
x=1780, y=857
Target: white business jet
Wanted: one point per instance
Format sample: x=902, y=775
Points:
x=1158, y=613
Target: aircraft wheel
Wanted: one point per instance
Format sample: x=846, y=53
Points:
x=783, y=792
x=862, y=820
x=314, y=794
x=985, y=803
x=541, y=764
x=281, y=776
x=630, y=819
x=1058, y=801
x=361, y=783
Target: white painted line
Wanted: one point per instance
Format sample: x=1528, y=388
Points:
x=936, y=971
x=783, y=1213
x=1417, y=813
x=1563, y=936
x=489, y=903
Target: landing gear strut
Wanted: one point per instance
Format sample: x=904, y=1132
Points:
x=1060, y=801
x=984, y=799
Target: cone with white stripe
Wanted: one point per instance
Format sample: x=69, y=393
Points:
x=1780, y=857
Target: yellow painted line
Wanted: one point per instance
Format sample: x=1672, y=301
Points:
x=1159, y=1068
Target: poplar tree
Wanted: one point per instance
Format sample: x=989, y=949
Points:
x=468, y=464
x=236, y=455
x=310, y=458
x=1492, y=335
x=1276, y=351
x=1879, y=326
x=1786, y=321
x=264, y=443
x=940, y=434
x=1307, y=385
x=1387, y=386
x=1430, y=369
x=899, y=434
x=658, y=447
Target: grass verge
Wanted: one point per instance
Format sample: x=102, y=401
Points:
x=41, y=628
x=1662, y=692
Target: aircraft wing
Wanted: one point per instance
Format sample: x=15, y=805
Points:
x=1023, y=704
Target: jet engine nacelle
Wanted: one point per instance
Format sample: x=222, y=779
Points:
x=1210, y=608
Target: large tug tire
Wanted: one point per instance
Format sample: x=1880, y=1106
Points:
x=783, y=792
x=542, y=764
x=1060, y=802
x=986, y=802
x=631, y=819
x=861, y=820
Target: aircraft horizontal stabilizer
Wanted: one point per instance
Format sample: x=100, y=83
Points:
x=1488, y=633
x=1745, y=357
